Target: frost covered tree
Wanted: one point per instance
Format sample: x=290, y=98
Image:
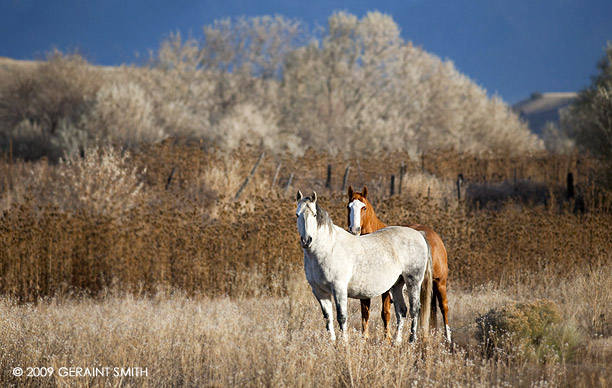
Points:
x=590, y=118
x=361, y=88
x=355, y=86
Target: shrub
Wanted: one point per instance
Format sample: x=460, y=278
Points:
x=102, y=182
x=27, y=139
x=591, y=302
x=532, y=329
x=36, y=100
x=557, y=140
x=121, y=113
x=247, y=125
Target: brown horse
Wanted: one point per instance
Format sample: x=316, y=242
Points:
x=363, y=220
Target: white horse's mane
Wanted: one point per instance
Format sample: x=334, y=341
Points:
x=323, y=217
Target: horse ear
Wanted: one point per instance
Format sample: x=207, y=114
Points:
x=350, y=192
x=364, y=192
x=299, y=196
x=314, y=196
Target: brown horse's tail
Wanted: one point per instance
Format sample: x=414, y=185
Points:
x=426, y=293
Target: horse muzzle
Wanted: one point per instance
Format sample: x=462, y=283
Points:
x=306, y=242
x=355, y=230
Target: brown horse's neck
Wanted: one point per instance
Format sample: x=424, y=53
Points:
x=372, y=223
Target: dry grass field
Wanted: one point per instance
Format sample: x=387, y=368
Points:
x=157, y=268
x=267, y=341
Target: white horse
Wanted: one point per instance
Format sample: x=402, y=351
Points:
x=341, y=265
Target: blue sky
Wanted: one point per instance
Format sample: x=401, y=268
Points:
x=511, y=48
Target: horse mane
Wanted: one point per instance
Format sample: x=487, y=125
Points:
x=323, y=218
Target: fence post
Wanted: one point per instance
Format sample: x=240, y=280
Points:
x=459, y=183
x=423, y=161
x=246, y=181
x=570, y=185
x=392, y=186
x=329, y=172
x=278, y=167
x=289, y=183
x=401, y=178
x=345, y=178
x=170, y=178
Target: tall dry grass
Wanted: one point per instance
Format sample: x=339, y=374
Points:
x=264, y=341
x=164, y=217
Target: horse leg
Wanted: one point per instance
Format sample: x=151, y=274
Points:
x=365, y=316
x=341, y=311
x=400, y=309
x=441, y=296
x=327, y=308
x=386, y=313
x=414, y=293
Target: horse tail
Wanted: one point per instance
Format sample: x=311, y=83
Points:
x=434, y=312
x=426, y=293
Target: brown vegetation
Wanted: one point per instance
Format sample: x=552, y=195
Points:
x=163, y=218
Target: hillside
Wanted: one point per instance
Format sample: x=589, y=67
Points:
x=7, y=64
x=540, y=109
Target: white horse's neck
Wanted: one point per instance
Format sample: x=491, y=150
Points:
x=325, y=239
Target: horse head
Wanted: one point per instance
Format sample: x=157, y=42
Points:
x=306, y=214
x=357, y=206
